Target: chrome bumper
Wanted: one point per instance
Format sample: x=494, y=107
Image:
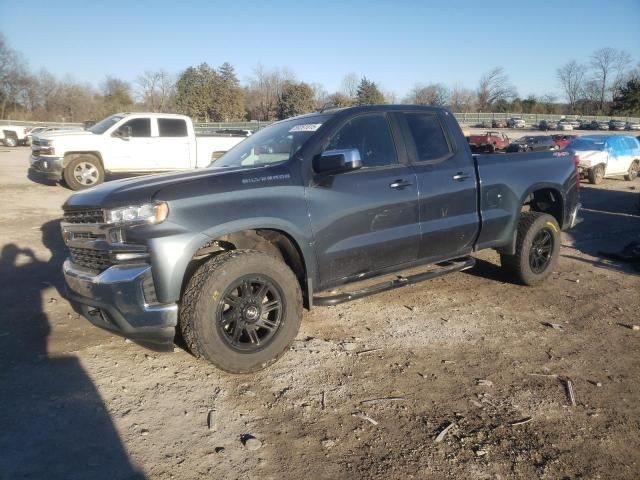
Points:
x=47, y=167
x=114, y=300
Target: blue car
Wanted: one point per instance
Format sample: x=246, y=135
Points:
x=604, y=156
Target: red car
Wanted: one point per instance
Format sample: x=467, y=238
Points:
x=562, y=140
x=488, y=142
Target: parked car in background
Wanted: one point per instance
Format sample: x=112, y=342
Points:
x=565, y=125
x=603, y=156
x=499, y=124
x=632, y=126
x=563, y=140
x=14, y=135
x=488, y=142
x=548, y=125
x=586, y=125
x=127, y=142
x=534, y=143
x=516, y=122
x=602, y=126
x=617, y=125
x=574, y=123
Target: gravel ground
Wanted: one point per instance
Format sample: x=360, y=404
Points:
x=367, y=390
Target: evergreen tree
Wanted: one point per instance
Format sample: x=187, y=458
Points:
x=295, y=99
x=368, y=93
x=627, y=101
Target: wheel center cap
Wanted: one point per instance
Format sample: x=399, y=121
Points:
x=251, y=313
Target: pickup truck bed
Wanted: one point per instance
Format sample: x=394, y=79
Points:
x=302, y=207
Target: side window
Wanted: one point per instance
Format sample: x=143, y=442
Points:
x=172, y=127
x=426, y=130
x=371, y=136
x=140, y=127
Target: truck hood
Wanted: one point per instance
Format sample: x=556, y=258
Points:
x=143, y=189
x=64, y=134
x=590, y=157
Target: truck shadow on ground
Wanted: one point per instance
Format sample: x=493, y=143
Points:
x=610, y=222
x=54, y=422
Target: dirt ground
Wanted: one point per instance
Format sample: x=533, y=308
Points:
x=366, y=389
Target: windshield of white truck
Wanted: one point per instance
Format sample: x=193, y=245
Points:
x=274, y=144
x=104, y=125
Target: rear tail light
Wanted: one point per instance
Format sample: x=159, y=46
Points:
x=576, y=162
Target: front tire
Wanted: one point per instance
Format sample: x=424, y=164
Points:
x=83, y=172
x=10, y=142
x=537, y=248
x=241, y=310
x=596, y=174
x=633, y=171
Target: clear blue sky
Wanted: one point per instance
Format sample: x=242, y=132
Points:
x=395, y=43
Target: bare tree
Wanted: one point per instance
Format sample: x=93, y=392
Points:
x=571, y=78
x=461, y=99
x=156, y=89
x=609, y=65
x=494, y=87
x=264, y=90
x=390, y=97
x=320, y=95
x=349, y=85
x=13, y=76
x=434, y=94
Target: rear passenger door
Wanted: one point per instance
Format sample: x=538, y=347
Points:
x=447, y=190
x=172, y=145
x=364, y=220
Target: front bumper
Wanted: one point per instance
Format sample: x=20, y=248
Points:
x=114, y=300
x=46, y=167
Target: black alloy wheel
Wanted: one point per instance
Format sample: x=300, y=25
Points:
x=541, y=250
x=249, y=313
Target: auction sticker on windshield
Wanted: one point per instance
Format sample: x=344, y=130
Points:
x=306, y=127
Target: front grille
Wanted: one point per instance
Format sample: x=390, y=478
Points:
x=85, y=235
x=93, y=215
x=93, y=259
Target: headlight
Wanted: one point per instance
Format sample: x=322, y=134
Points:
x=147, y=213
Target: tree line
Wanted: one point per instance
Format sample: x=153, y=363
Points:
x=607, y=84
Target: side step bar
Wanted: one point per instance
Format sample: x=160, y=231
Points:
x=451, y=266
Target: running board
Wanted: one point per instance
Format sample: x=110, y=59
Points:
x=443, y=268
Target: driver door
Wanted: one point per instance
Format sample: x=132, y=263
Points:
x=364, y=220
x=131, y=153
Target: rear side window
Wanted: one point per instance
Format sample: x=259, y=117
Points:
x=172, y=127
x=140, y=127
x=370, y=134
x=428, y=136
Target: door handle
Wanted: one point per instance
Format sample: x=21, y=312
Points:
x=461, y=177
x=399, y=184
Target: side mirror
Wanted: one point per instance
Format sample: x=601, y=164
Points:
x=123, y=132
x=337, y=161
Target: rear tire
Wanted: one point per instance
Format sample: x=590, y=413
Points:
x=241, y=310
x=10, y=142
x=633, y=171
x=83, y=172
x=537, y=248
x=596, y=174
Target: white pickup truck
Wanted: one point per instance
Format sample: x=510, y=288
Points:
x=126, y=142
x=14, y=135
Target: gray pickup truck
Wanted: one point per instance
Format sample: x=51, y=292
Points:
x=228, y=256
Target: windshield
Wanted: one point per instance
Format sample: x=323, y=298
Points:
x=104, y=125
x=586, y=144
x=274, y=144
